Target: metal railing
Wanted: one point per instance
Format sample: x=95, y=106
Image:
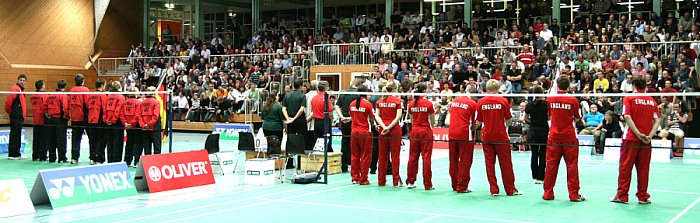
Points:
x=108, y=66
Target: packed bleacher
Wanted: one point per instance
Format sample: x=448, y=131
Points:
x=600, y=51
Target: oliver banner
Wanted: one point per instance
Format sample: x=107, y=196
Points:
x=84, y=184
x=14, y=199
x=171, y=171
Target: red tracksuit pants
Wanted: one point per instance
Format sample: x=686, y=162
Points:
x=554, y=155
x=502, y=151
x=389, y=144
x=421, y=146
x=461, y=157
x=634, y=154
x=361, y=151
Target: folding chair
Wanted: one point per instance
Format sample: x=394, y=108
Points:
x=246, y=143
x=294, y=148
x=211, y=145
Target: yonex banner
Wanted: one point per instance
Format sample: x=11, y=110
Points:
x=586, y=143
x=230, y=131
x=336, y=138
x=78, y=185
x=5, y=141
x=14, y=199
x=163, y=172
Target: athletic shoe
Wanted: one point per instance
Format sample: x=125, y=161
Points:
x=516, y=193
x=432, y=188
x=468, y=190
x=373, y=172
x=134, y=166
x=400, y=184
x=617, y=199
x=495, y=195
x=62, y=161
x=17, y=158
x=364, y=183
x=73, y=162
x=355, y=182
x=581, y=198
x=410, y=186
x=92, y=162
x=539, y=182
x=647, y=201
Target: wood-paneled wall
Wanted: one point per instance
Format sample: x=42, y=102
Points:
x=344, y=70
x=121, y=27
x=55, y=32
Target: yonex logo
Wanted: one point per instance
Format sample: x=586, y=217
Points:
x=62, y=187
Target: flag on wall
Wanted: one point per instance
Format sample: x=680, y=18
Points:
x=163, y=99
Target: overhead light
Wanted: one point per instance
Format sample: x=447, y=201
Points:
x=169, y=5
x=436, y=0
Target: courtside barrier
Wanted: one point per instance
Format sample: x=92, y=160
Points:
x=171, y=171
x=14, y=199
x=661, y=153
x=5, y=141
x=692, y=153
x=84, y=184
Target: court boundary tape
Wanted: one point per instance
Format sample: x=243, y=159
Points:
x=684, y=211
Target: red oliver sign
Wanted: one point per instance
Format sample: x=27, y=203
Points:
x=441, y=135
x=173, y=171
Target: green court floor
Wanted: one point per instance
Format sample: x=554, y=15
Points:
x=674, y=186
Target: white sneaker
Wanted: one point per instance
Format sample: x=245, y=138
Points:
x=517, y=193
x=355, y=182
x=16, y=158
x=495, y=195
x=92, y=162
x=410, y=186
x=73, y=161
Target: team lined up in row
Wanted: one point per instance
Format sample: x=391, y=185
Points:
x=103, y=117
x=492, y=111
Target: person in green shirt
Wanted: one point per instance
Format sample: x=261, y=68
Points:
x=272, y=117
x=581, y=63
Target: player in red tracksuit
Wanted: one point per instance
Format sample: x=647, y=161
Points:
x=462, y=115
x=96, y=131
x=40, y=130
x=128, y=116
x=388, y=116
x=78, y=113
x=642, y=118
x=115, y=128
x=149, y=120
x=15, y=109
x=361, y=141
x=563, y=112
x=421, y=136
x=57, y=118
x=493, y=111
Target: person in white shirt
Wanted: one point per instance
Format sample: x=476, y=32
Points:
x=313, y=91
x=386, y=35
x=216, y=40
x=427, y=28
x=546, y=34
x=205, y=52
x=182, y=105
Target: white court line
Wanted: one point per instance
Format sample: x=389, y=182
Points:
x=16, y=176
x=223, y=203
x=428, y=219
x=266, y=201
x=395, y=211
x=679, y=215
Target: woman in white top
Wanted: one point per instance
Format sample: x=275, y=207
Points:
x=595, y=64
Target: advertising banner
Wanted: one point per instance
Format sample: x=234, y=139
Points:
x=5, y=141
x=661, y=150
x=171, y=171
x=14, y=199
x=230, y=131
x=78, y=185
x=441, y=136
x=692, y=150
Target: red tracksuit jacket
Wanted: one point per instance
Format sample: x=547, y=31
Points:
x=38, y=108
x=129, y=111
x=12, y=97
x=112, y=108
x=95, y=105
x=78, y=103
x=149, y=113
x=57, y=106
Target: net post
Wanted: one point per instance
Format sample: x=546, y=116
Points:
x=326, y=126
x=170, y=122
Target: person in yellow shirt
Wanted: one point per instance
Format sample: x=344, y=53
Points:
x=601, y=83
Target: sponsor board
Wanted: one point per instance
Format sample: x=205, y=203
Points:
x=171, y=171
x=5, y=141
x=661, y=150
x=692, y=148
x=586, y=144
x=222, y=162
x=230, y=131
x=14, y=199
x=79, y=185
x=336, y=138
x=441, y=136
